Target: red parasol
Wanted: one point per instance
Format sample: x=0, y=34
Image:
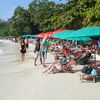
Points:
x=42, y=35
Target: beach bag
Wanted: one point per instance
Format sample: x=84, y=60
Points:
x=86, y=69
x=93, y=72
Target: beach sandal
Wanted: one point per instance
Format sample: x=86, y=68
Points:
x=34, y=64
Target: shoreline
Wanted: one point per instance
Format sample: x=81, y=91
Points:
x=6, y=41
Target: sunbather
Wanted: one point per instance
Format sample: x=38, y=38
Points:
x=82, y=59
x=55, y=67
x=59, y=65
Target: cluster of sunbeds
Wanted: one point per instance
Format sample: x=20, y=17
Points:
x=66, y=56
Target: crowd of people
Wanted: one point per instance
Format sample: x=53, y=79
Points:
x=65, y=52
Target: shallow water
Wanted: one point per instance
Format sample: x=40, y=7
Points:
x=9, y=55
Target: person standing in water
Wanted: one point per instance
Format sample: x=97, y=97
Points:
x=37, y=51
x=23, y=49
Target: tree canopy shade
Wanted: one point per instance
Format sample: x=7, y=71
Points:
x=85, y=32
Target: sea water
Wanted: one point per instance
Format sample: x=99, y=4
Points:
x=9, y=55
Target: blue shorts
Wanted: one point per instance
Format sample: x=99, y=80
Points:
x=63, y=60
x=44, y=55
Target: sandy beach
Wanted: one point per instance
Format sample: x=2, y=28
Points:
x=27, y=82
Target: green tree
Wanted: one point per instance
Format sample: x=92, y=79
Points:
x=20, y=21
x=44, y=15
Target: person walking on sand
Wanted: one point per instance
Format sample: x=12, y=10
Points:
x=37, y=51
x=23, y=49
x=44, y=49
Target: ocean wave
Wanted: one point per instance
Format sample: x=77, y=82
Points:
x=1, y=51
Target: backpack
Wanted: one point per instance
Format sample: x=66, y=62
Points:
x=86, y=69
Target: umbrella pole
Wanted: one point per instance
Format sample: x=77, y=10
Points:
x=95, y=57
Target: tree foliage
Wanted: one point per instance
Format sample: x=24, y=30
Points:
x=44, y=15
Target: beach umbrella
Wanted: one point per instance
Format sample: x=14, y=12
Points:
x=42, y=35
x=55, y=31
x=86, y=32
x=62, y=34
x=28, y=35
x=65, y=33
x=33, y=36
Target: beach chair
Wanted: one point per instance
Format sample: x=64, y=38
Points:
x=85, y=59
x=87, y=77
x=63, y=60
x=64, y=63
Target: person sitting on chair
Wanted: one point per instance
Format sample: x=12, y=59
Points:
x=55, y=67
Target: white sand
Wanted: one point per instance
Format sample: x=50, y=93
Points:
x=27, y=82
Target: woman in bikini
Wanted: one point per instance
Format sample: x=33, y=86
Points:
x=23, y=49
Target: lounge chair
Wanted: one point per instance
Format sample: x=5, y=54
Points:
x=84, y=59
